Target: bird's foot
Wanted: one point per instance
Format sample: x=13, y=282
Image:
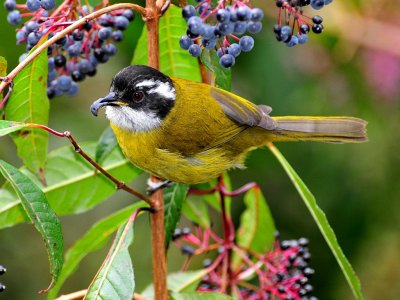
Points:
x=156, y=186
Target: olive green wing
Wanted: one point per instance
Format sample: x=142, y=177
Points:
x=242, y=111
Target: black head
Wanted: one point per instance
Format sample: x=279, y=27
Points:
x=140, y=97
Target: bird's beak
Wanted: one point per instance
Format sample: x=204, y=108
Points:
x=109, y=100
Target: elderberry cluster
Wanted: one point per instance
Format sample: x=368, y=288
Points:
x=2, y=272
x=293, y=25
x=77, y=54
x=221, y=28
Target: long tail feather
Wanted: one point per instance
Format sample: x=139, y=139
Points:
x=323, y=129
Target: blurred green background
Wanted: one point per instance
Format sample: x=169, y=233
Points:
x=351, y=69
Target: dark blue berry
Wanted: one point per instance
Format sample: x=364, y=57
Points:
x=209, y=32
x=75, y=49
x=317, y=19
x=195, y=25
x=33, y=5
x=85, y=66
x=188, y=11
x=317, y=28
x=101, y=55
x=34, y=37
x=246, y=43
x=223, y=16
x=104, y=33
x=47, y=4
x=117, y=36
x=240, y=27
x=234, y=49
x=9, y=5
x=59, y=60
x=14, y=17
x=61, y=41
x=3, y=270
x=203, y=8
x=220, y=52
x=64, y=83
x=129, y=14
x=303, y=38
x=73, y=90
x=194, y=50
x=110, y=49
x=293, y=41
x=304, y=28
x=77, y=76
x=187, y=250
x=121, y=23
x=32, y=26
x=185, y=42
x=20, y=36
x=2, y=287
x=254, y=27
x=277, y=28
x=243, y=13
x=317, y=4
x=225, y=28
x=326, y=2
x=22, y=57
x=257, y=15
x=78, y=35
x=52, y=75
x=209, y=44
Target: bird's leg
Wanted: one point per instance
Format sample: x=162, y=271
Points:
x=156, y=186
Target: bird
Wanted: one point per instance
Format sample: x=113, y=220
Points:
x=190, y=132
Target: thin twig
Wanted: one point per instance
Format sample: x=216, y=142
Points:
x=119, y=184
x=67, y=30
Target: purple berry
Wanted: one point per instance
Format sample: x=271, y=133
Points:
x=317, y=4
x=47, y=4
x=234, y=49
x=185, y=42
x=129, y=14
x=9, y=5
x=121, y=23
x=257, y=15
x=188, y=11
x=104, y=33
x=117, y=36
x=223, y=16
x=246, y=43
x=243, y=13
x=33, y=5
x=227, y=60
x=194, y=50
x=14, y=17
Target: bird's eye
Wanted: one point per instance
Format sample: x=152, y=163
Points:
x=138, y=96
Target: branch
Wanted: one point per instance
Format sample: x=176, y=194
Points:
x=119, y=184
x=143, y=11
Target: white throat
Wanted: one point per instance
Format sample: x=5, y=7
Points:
x=132, y=120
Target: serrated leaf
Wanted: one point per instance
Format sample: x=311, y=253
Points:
x=257, y=229
x=196, y=210
x=106, y=144
x=115, y=279
x=7, y=127
x=72, y=184
x=223, y=77
x=322, y=223
x=28, y=103
x=174, y=196
x=200, y=296
x=174, y=61
x=40, y=213
x=94, y=239
x=178, y=282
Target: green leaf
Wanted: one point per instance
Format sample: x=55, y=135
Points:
x=174, y=61
x=174, y=196
x=40, y=213
x=322, y=223
x=28, y=103
x=94, y=239
x=115, y=279
x=178, y=282
x=223, y=77
x=70, y=183
x=106, y=144
x=7, y=127
x=200, y=296
x=257, y=229
x=196, y=210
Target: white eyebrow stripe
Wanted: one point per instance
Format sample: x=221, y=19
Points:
x=147, y=83
x=164, y=89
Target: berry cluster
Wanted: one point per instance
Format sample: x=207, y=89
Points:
x=293, y=25
x=220, y=28
x=282, y=273
x=2, y=272
x=76, y=55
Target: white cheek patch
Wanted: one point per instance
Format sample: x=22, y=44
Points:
x=147, y=83
x=132, y=120
x=164, y=89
